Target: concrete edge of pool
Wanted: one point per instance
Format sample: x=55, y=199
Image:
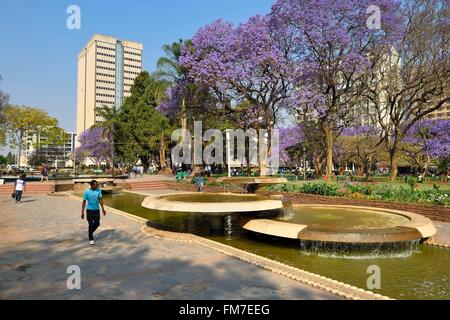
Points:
x=327, y=284
x=162, y=203
x=335, y=287
x=419, y=224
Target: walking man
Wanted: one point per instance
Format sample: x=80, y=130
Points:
x=44, y=172
x=93, y=197
x=19, y=187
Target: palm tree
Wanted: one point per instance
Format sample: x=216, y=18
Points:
x=169, y=69
x=109, y=126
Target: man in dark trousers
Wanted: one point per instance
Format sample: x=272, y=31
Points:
x=93, y=197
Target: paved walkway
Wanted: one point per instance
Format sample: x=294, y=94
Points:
x=443, y=231
x=44, y=235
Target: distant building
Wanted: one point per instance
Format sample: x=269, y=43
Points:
x=443, y=113
x=38, y=143
x=107, y=68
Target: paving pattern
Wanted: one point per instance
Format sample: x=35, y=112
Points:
x=44, y=235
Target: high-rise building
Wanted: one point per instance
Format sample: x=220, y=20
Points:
x=107, y=68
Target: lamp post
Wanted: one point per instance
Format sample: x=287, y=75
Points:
x=304, y=164
x=228, y=153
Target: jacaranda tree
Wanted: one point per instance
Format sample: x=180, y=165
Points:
x=328, y=43
x=94, y=145
x=242, y=63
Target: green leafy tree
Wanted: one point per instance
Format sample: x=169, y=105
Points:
x=10, y=158
x=36, y=159
x=168, y=68
x=20, y=119
x=3, y=160
x=111, y=130
x=142, y=130
x=3, y=103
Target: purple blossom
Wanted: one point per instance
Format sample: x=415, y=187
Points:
x=94, y=144
x=289, y=137
x=431, y=135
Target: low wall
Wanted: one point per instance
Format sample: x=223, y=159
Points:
x=438, y=213
x=213, y=189
x=123, y=185
x=64, y=187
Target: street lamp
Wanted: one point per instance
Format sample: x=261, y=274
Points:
x=304, y=163
x=228, y=152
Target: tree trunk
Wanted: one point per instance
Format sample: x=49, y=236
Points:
x=162, y=152
x=393, y=155
x=329, y=145
x=367, y=170
x=426, y=164
x=112, y=157
x=20, y=149
x=183, y=115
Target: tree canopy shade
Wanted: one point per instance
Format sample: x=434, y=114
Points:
x=20, y=119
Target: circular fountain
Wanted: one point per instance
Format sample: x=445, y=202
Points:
x=252, y=184
x=214, y=203
x=345, y=224
x=315, y=226
x=206, y=213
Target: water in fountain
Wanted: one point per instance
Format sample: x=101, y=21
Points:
x=228, y=226
x=360, y=250
x=288, y=209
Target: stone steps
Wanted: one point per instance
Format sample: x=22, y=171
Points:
x=31, y=188
x=148, y=185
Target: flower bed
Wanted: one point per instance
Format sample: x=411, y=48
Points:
x=369, y=191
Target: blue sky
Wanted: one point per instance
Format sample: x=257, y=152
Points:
x=38, y=54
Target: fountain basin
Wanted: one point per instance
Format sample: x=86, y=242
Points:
x=215, y=203
x=251, y=184
x=346, y=224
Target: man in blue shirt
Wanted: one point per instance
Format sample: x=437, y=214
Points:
x=93, y=197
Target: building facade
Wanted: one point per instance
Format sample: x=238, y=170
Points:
x=107, y=68
x=443, y=113
x=35, y=142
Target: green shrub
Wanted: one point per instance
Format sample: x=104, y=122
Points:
x=366, y=188
x=368, y=191
x=320, y=188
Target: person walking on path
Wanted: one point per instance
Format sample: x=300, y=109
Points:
x=44, y=172
x=20, y=187
x=93, y=197
x=135, y=171
x=200, y=183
